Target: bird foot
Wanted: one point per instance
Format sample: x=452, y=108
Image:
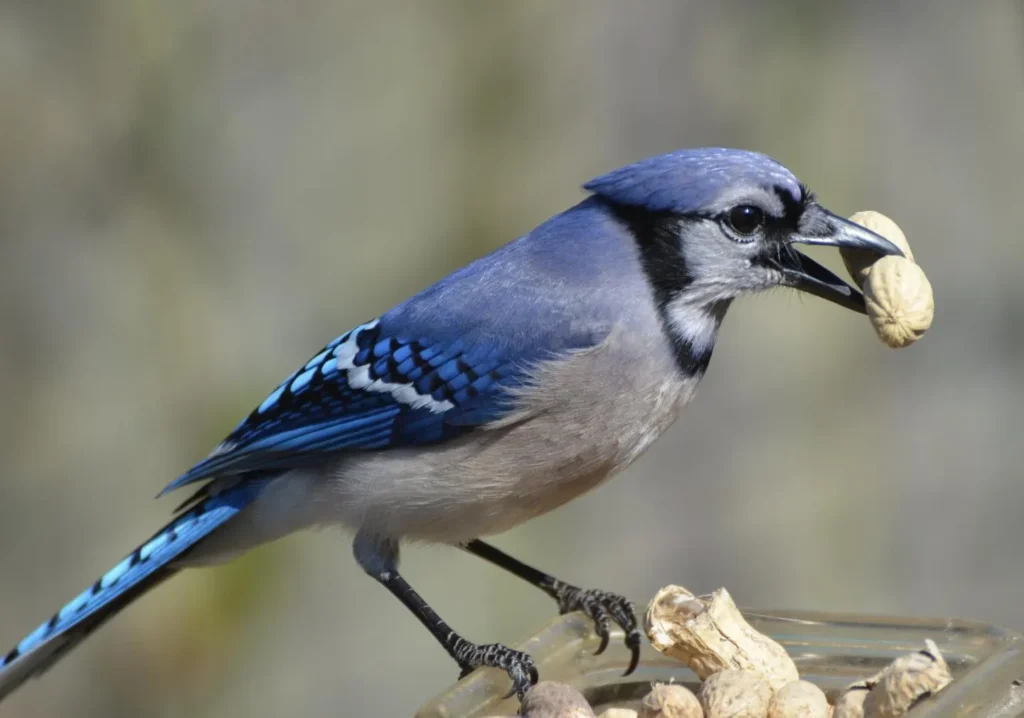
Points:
x=521, y=668
x=601, y=607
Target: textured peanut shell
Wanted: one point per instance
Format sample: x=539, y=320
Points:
x=619, y=713
x=709, y=634
x=899, y=301
x=670, y=700
x=549, y=699
x=858, y=261
x=799, y=699
x=850, y=703
x=906, y=680
x=735, y=694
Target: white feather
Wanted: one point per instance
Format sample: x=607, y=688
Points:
x=359, y=377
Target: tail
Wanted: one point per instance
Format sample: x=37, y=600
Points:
x=144, y=568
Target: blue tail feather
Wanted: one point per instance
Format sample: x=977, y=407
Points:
x=142, y=569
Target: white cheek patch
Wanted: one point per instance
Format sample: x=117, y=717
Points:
x=695, y=323
x=359, y=377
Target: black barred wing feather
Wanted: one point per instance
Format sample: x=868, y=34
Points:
x=370, y=390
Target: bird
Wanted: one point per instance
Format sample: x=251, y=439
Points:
x=504, y=390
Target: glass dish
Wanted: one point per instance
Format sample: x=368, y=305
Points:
x=831, y=650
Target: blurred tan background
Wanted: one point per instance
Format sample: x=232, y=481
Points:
x=195, y=196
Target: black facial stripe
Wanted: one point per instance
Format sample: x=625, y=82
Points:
x=690, y=361
x=792, y=208
x=657, y=237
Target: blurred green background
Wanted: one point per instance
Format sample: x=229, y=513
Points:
x=195, y=196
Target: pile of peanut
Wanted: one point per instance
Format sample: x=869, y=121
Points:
x=743, y=673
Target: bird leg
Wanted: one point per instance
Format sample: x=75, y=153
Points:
x=379, y=558
x=601, y=607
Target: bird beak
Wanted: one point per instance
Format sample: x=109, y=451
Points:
x=821, y=227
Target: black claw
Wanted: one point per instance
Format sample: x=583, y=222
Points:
x=633, y=643
x=520, y=667
x=522, y=681
x=601, y=622
x=600, y=606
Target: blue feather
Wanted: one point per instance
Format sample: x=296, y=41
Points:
x=437, y=391
x=440, y=364
x=434, y=368
x=139, y=571
x=687, y=180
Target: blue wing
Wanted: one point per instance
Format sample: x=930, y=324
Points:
x=440, y=364
x=374, y=389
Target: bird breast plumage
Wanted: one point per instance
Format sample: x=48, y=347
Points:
x=582, y=419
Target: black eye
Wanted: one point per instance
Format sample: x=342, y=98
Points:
x=746, y=218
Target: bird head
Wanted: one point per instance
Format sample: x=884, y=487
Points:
x=717, y=223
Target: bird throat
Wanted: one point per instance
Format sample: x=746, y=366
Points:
x=692, y=328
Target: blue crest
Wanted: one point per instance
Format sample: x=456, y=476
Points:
x=687, y=180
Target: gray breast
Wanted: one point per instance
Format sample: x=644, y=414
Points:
x=582, y=419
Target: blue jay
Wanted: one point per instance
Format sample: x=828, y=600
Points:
x=499, y=393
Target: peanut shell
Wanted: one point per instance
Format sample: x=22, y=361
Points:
x=709, y=634
x=907, y=680
x=799, y=699
x=549, y=699
x=670, y=700
x=850, y=703
x=899, y=301
x=735, y=694
x=858, y=261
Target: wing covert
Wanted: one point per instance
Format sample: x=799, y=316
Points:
x=369, y=390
